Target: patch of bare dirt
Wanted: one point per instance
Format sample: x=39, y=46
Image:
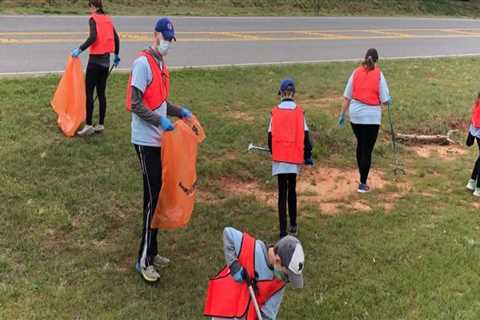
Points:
x=331, y=189
x=206, y=197
x=447, y=153
x=334, y=184
x=236, y=187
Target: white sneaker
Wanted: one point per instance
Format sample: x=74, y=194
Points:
x=476, y=193
x=160, y=262
x=86, y=131
x=471, y=185
x=149, y=273
x=98, y=128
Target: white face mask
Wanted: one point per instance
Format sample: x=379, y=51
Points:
x=163, y=47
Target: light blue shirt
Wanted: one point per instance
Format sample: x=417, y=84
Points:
x=361, y=113
x=283, y=167
x=144, y=133
x=474, y=131
x=272, y=306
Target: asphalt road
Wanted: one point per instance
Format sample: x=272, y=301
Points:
x=38, y=44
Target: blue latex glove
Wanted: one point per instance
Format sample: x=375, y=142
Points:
x=239, y=275
x=341, y=120
x=166, y=124
x=76, y=52
x=116, y=61
x=389, y=102
x=309, y=162
x=237, y=271
x=185, y=113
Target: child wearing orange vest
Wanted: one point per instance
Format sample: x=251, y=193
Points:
x=102, y=41
x=289, y=143
x=270, y=268
x=474, y=134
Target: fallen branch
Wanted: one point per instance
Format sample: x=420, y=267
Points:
x=427, y=139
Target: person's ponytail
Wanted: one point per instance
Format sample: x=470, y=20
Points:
x=371, y=58
x=98, y=4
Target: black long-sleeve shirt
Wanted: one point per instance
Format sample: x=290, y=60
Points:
x=100, y=59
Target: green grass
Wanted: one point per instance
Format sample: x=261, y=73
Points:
x=70, y=208
x=469, y=8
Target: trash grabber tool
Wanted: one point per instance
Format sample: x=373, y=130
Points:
x=251, y=147
x=253, y=297
x=397, y=166
x=108, y=75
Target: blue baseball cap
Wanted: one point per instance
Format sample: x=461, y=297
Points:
x=165, y=26
x=287, y=84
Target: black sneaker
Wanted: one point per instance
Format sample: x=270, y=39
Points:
x=293, y=231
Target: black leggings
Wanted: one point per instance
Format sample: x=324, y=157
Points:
x=96, y=78
x=366, y=135
x=287, y=184
x=476, y=169
x=149, y=158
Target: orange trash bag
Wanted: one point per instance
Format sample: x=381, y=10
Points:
x=179, y=175
x=69, y=98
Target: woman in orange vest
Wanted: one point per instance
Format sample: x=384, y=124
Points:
x=102, y=41
x=288, y=125
x=474, y=134
x=365, y=93
x=270, y=268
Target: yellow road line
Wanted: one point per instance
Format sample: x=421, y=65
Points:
x=239, y=35
x=323, y=31
x=330, y=36
x=390, y=33
x=12, y=37
x=462, y=31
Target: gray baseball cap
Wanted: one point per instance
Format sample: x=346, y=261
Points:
x=292, y=257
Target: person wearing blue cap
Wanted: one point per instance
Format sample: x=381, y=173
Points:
x=290, y=146
x=148, y=91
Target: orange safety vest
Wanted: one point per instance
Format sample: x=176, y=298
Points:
x=366, y=86
x=105, y=42
x=476, y=115
x=227, y=298
x=288, y=135
x=157, y=91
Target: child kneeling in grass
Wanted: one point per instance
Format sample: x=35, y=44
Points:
x=290, y=146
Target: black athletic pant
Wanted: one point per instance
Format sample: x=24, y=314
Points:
x=287, y=193
x=366, y=135
x=476, y=169
x=149, y=158
x=96, y=78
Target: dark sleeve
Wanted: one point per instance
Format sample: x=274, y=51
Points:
x=141, y=111
x=270, y=142
x=173, y=111
x=470, y=139
x=307, y=148
x=92, y=37
x=117, y=42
